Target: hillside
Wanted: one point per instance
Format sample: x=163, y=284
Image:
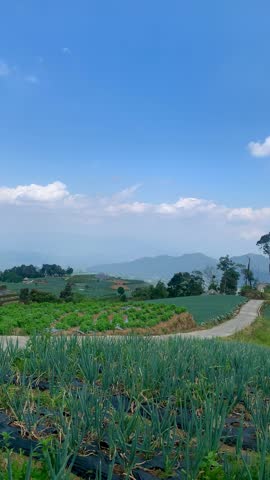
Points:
x=155, y=268
x=164, y=266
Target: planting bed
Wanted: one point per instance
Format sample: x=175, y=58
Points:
x=143, y=409
x=89, y=317
x=92, y=286
x=207, y=308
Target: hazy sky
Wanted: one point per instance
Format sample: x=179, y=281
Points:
x=134, y=128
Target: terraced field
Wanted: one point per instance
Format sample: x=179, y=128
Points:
x=92, y=317
x=91, y=286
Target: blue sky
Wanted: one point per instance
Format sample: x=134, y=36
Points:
x=164, y=96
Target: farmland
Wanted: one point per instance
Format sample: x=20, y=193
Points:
x=178, y=409
x=207, y=308
x=91, y=286
x=96, y=316
x=90, y=317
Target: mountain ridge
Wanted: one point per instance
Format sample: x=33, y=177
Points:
x=164, y=266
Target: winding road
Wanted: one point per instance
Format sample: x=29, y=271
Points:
x=243, y=319
x=248, y=313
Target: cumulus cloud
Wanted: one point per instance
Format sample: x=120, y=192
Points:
x=83, y=209
x=178, y=224
x=34, y=194
x=258, y=149
x=5, y=70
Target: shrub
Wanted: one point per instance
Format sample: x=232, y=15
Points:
x=251, y=292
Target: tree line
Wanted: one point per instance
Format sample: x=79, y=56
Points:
x=17, y=274
x=223, y=280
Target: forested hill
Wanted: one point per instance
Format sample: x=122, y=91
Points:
x=164, y=266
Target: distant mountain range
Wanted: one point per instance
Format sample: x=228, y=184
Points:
x=164, y=266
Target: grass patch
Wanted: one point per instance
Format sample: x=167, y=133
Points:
x=258, y=332
x=207, y=308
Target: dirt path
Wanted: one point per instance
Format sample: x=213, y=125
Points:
x=243, y=319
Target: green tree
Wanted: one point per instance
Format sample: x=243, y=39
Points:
x=248, y=275
x=230, y=275
x=160, y=290
x=213, y=285
x=229, y=281
x=264, y=245
x=66, y=294
x=122, y=294
x=54, y=270
x=186, y=284
x=40, y=297
x=24, y=295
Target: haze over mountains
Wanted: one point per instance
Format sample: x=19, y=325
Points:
x=164, y=266
x=145, y=268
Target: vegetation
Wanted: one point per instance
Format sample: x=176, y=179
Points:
x=186, y=284
x=207, y=308
x=149, y=292
x=182, y=409
x=264, y=245
x=230, y=276
x=26, y=296
x=17, y=274
x=258, y=332
x=67, y=294
x=252, y=293
x=86, y=317
x=90, y=286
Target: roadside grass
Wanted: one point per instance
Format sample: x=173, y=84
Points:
x=259, y=332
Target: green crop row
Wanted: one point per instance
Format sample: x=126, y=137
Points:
x=207, y=308
x=142, y=405
x=87, y=316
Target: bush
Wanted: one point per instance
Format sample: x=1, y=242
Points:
x=252, y=293
x=40, y=296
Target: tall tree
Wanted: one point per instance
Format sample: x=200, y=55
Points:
x=230, y=275
x=248, y=275
x=186, y=284
x=264, y=245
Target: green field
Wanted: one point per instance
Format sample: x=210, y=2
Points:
x=179, y=409
x=206, y=308
x=88, y=285
x=87, y=316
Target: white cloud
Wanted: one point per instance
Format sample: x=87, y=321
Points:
x=249, y=222
x=5, y=70
x=66, y=51
x=31, y=79
x=186, y=224
x=258, y=149
x=34, y=194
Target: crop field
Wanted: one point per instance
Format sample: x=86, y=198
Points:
x=88, y=285
x=88, y=317
x=207, y=308
x=144, y=409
